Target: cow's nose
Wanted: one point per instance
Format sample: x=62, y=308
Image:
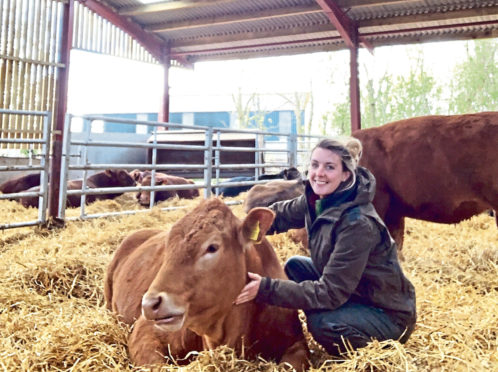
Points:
x=151, y=305
x=157, y=306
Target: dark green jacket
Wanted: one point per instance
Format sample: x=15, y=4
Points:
x=352, y=250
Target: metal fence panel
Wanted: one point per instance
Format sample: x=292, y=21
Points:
x=30, y=145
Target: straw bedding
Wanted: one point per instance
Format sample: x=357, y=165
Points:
x=53, y=317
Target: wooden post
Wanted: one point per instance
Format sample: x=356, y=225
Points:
x=61, y=108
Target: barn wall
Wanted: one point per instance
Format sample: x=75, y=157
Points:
x=29, y=55
x=30, y=52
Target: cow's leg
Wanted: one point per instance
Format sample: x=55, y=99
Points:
x=148, y=345
x=144, y=346
x=297, y=356
x=396, y=226
x=395, y=222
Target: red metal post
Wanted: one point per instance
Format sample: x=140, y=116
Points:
x=164, y=109
x=354, y=88
x=60, y=107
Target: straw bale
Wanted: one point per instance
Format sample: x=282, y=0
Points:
x=53, y=316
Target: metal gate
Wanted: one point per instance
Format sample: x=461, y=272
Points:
x=28, y=145
x=209, y=154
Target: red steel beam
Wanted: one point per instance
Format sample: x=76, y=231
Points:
x=148, y=41
x=341, y=21
x=346, y=27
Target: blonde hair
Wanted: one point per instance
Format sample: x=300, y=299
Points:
x=349, y=149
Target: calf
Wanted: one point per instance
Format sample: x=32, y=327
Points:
x=180, y=286
x=107, y=178
x=143, y=197
x=435, y=168
x=287, y=174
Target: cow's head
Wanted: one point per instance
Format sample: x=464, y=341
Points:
x=143, y=197
x=136, y=174
x=119, y=177
x=204, y=267
x=291, y=174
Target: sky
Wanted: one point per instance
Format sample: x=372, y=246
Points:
x=104, y=84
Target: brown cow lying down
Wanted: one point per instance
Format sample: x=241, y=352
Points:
x=20, y=183
x=143, y=197
x=434, y=168
x=266, y=194
x=107, y=178
x=137, y=175
x=180, y=286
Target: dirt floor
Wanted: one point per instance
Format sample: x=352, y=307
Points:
x=53, y=317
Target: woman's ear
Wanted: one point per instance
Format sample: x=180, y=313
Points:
x=345, y=175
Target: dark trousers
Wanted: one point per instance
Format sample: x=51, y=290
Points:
x=352, y=323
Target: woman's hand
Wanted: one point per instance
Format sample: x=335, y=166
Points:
x=250, y=290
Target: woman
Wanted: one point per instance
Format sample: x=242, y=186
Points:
x=352, y=289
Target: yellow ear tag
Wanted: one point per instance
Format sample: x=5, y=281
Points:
x=255, y=233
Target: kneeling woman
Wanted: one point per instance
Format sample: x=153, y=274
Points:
x=352, y=289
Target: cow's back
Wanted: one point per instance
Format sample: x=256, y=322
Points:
x=20, y=183
x=186, y=194
x=271, y=192
x=437, y=168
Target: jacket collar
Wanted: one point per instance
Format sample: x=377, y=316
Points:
x=362, y=192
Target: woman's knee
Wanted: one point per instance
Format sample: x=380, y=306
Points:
x=334, y=336
x=299, y=268
x=292, y=266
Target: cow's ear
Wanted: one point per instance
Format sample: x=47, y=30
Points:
x=257, y=223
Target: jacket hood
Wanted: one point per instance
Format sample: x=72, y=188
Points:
x=366, y=185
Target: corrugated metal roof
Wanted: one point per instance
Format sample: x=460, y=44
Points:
x=226, y=29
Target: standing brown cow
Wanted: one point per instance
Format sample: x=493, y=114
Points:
x=434, y=168
x=184, y=282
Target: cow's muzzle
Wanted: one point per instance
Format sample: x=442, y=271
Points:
x=162, y=309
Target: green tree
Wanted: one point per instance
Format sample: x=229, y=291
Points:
x=475, y=84
x=341, y=119
x=376, y=101
x=391, y=98
x=417, y=94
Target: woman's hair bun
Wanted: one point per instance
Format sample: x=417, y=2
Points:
x=354, y=147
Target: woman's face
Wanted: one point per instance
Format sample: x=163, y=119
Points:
x=326, y=172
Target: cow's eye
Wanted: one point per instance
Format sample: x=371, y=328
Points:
x=212, y=248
